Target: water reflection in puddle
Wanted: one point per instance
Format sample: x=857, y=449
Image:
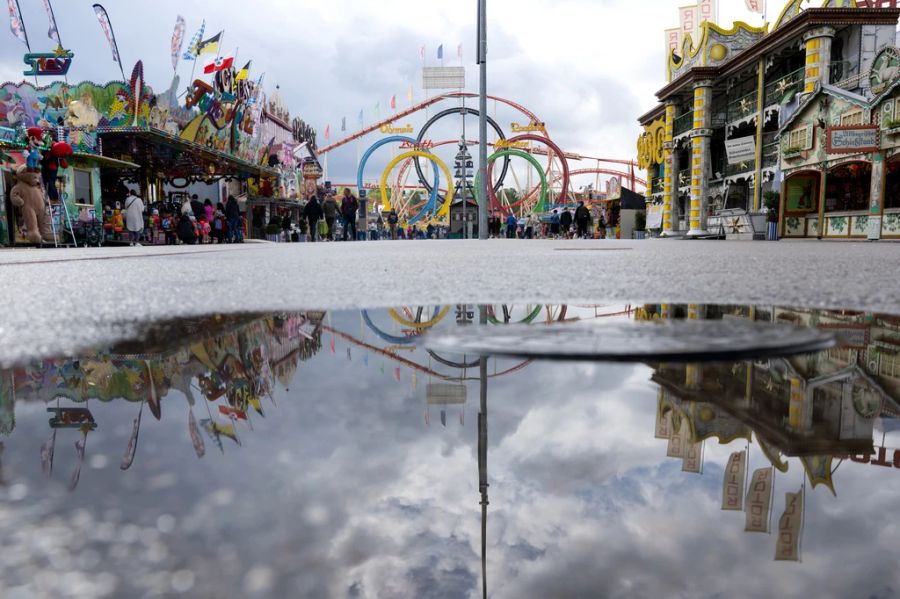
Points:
x=332, y=454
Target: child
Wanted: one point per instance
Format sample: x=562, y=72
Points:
x=204, y=230
x=168, y=227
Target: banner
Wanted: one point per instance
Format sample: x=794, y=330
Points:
x=191, y=52
x=787, y=547
x=673, y=41
x=707, y=10
x=677, y=440
x=688, y=23
x=106, y=26
x=759, y=498
x=53, y=32
x=733, y=485
x=16, y=24
x=693, y=457
x=663, y=424
x=742, y=149
x=654, y=216
x=757, y=6
x=177, y=40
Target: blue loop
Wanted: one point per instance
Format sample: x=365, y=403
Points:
x=432, y=201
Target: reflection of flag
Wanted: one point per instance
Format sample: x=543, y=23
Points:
x=210, y=46
x=759, y=498
x=459, y=51
x=440, y=52
x=177, y=40
x=397, y=374
x=79, y=456
x=16, y=24
x=818, y=470
x=787, y=547
x=216, y=430
x=219, y=64
x=191, y=52
x=733, y=485
x=360, y=118
x=444, y=417
x=409, y=94
x=422, y=52
x=366, y=359
x=196, y=437
x=244, y=73
x=663, y=424
x=378, y=109
x=344, y=128
x=131, y=448
x=47, y=450
x=231, y=412
x=677, y=440
x=692, y=460
x=53, y=32
x=333, y=349
x=106, y=26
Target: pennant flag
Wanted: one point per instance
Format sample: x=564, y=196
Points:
x=47, y=450
x=421, y=52
x=787, y=547
x=426, y=417
x=196, y=437
x=234, y=413
x=459, y=51
x=755, y=6
x=397, y=374
x=414, y=380
x=327, y=131
x=79, y=455
x=692, y=460
x=440, y=52
x=131, y=448
x=759, y=498
x=53, y=32
x=191, y=52
x=462, y=418
x=818, y=470
x=244, y=73
x=360, y=117
x=333, y=348
x=366, y=359
x=394, y=102
x=409, y=94
x=106, y=26
x=177, y=40
x=219, y=64
x=16, y=24
x=210, y=46
x=733, y=485
x=344, y=128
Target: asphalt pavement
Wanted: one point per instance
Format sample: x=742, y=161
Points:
x=61, y=301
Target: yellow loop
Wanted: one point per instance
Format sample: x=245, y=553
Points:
x=445, y=209
x=419, y=325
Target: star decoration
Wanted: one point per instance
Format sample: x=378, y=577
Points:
x=745, y=106
x=743, y=166
x=735, y=225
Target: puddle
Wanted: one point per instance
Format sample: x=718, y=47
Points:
x=319, y=454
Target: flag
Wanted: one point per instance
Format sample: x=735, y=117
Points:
x=210, y=46
x=397, y=374
x=755, y=6
x=378, y=109
x=677, y=440
x=333, y=349
x=444, y=417
x=733, y=485
x=327, y=131
x=47, y=450
x=191, y=52
x=219, y=64
x=440, y=52
x=196, y=437
x=459, y=51
x=421, y=52
x=409, y=94
x=394, y=102
x=244, y=73
x=131, y=448
x=79, y=456
x=360, y=118
x=692, y=460
x=759, y=498
x=17, y=25
x=106, y=26
x=177, y=40
x=53, y=32
x=787, y=547
x=818, y=470
x=233, y=413
x=344, y=128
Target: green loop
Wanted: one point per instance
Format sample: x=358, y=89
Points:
x=539, y=207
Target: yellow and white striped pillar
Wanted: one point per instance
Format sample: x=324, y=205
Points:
x=693, y=373
x=670, y=179
x=700, y=137
x=818, y=57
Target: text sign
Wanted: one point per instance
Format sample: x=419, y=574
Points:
x=851, y=140
x=742, y=149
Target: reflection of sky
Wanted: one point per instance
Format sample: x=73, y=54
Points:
x=342, y=491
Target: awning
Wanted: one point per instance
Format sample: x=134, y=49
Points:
x=174, y=157
x=101, y=161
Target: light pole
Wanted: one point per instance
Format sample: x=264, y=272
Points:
x=482, y=120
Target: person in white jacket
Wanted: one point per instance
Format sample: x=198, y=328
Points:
x=134, y=217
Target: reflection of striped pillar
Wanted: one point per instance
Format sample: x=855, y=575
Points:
x=818, y=56
x=700, y=156
x=692, y=373
x=670, y=174
x=664, y=311
x=795, y=408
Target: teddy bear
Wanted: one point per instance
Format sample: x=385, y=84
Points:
x=28, y=196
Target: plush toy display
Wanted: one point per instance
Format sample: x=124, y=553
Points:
x=35, y=143
x=28, y=196
x=54, y=160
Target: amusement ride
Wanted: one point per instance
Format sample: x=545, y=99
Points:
x=419, y=196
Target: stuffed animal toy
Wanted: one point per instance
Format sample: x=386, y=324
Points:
x=54, y=160
x=35, y=143
x=28, y=196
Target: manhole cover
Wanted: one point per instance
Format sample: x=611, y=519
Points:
x=673, y=340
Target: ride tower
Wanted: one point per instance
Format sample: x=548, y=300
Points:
x=464, y=211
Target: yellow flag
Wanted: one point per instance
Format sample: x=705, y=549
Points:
x=244, y=73
x=210, y=46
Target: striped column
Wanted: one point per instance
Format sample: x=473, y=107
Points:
x=693, y=375
x=818, y=57
x=670, y=179
x=700, y=137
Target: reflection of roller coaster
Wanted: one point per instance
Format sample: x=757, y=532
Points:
x=428, y=198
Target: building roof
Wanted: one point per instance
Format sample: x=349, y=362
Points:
x=828, y=90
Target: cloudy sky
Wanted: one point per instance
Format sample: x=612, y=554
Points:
x=588, y=68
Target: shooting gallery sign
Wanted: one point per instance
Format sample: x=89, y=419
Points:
x=852, y=140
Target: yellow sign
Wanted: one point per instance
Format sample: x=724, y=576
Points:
x=517, y=145
x=389, y=130
x=530, y=127
x=650, y=144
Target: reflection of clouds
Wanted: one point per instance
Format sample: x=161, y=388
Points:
x=342, y=491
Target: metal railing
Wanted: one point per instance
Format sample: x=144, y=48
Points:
x=748, y=166
x=843, y=72
x=778, y=90
x=683, y=123
x=742, y=107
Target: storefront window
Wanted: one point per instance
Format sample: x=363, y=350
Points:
x=892, y=185
x=847, y=187
x=802, y=193
x=83, y=191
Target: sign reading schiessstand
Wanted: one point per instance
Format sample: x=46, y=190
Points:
x=852, y=140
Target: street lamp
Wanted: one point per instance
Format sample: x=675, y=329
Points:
x=482, y=120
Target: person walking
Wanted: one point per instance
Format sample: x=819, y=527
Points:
x=554, y=224
x=565, y=223
x=208, y=211
x=313, y=213
x=530, y=226
x=233, y=216
x=582, y=220
x=349, y=208
x=330, y=210
x=511, y=225
x=286, y=227
x=134, y=217
x=392, y=220
x=187, y=230
x=219, y=224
